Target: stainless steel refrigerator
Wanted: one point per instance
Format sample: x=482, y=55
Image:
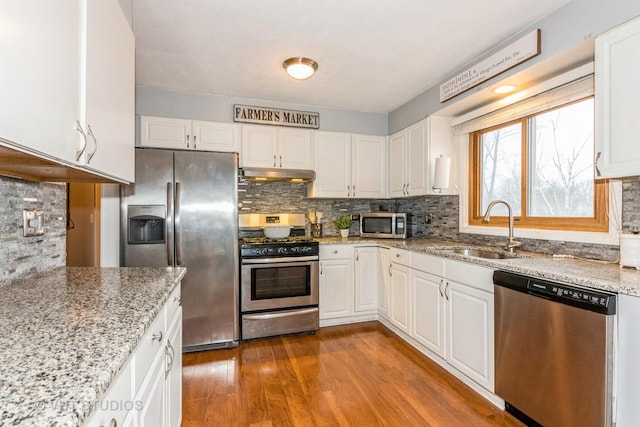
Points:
x=183, y=211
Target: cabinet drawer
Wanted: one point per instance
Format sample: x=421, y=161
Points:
x=428, y=263
x=173, y=304
x=469, y=274
x=336, y=251
x=148, y=348
x=401, y=256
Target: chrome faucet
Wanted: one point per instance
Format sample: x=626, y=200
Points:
x=511, y=243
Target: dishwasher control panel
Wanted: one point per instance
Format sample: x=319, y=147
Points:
x=588, y=297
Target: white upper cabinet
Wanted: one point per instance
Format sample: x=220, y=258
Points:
x=72, y=66
x=181, y=134
x=348, y=165
x=275, y=147
x=368, y=161
x=108, y=88
x=412, y=154
x=39, y=78
x=617, y=101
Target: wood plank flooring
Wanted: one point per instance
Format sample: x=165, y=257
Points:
x=351, y=375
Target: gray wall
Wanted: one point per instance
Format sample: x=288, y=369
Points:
x=153, y=101
x=567, y=27
x=21, y=256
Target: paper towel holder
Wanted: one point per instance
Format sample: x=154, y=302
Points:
x=441, y=174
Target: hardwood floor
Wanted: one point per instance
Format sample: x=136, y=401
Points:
x=351, y=375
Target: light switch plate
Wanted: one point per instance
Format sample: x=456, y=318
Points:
x=32, y=222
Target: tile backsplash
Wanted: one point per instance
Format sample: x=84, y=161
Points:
x=433, y=216
x=21, y=256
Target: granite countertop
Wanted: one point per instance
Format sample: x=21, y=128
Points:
x=66, y=333
x=603, y=275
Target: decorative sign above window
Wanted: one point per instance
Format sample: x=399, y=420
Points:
x=517, y=52
x=275, y=116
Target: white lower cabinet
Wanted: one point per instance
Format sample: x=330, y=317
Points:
x=148, y=390
x=336, y=281
x=366, y=279
x=348, y=284
x=399, y=292
x=384, y=281
x=428, y=320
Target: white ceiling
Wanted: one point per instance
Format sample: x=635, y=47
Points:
x=373, y=55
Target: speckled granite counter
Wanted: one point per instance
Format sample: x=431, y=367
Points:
x=65, y=334
x=591, y=274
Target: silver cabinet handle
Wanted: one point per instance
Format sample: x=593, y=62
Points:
x=177, y=226
x=354, y=191
x=274, y=160
x=348, y=191
x=335, y=251
x=440, y=288
x=171, y=354
x=84, y=137
x=445, y=291
x=321, y=268
x=280, y=161
x=95, y=143
x=390, y=270
x=595, y=163
x=357, y=256
x=157, y=336
x=168, y=222
x=397, y=255
x=178, y=300
x=194, y=141
x=188, y=140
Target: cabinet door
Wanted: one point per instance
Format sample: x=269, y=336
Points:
x=152, y=413
x=428, y=308
x=417, y=159
x=336, y=288
x=399, y=297
x=214, y=136
x=163, y=132
x=368, y=176
x=440, y=138
x=39, y=76
x=470, y=333
x=366, y=282
x=294, y=148
x=617, y=101
x=108, y=90
x=397, y=166
x=332, y=163
x=384, y=282
x=259, y=146
x=173, y=372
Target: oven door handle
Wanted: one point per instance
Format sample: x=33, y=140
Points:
x=280, y=260
x=276, y=315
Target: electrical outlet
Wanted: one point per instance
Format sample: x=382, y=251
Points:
x=32, y=222
x=355, y=217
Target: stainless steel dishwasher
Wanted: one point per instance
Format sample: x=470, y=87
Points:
x=553, y=351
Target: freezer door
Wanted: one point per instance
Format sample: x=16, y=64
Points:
x=206, y=240
x=150, y=193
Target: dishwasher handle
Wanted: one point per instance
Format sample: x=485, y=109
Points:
x=587, y=299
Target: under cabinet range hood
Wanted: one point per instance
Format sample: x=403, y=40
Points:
x=278, y=175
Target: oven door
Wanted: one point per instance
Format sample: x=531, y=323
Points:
x=276, y=283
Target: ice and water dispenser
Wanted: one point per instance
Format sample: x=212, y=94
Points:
x=146, y=224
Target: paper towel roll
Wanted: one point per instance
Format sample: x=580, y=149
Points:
x=441, y=173
x=630, y=250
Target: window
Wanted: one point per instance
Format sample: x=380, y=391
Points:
x=543, y=165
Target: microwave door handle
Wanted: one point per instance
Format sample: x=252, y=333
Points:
x=169, y=224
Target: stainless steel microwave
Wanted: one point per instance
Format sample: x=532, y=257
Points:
x=384, y=225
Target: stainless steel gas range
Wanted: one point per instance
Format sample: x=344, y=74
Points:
x=278, y=280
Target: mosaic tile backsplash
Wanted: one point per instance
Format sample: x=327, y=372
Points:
x=433, y=216
x=22, y=256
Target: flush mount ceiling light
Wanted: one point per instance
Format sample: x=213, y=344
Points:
x=300, y=68
x=504, y=89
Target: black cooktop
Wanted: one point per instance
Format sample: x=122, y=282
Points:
x=292, y=246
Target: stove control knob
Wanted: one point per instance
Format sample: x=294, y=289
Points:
x=282, y=250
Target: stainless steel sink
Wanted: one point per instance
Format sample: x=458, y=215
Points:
x=479, y=253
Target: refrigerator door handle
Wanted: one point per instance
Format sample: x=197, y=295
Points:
x=169, y=224
x=177, y=226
